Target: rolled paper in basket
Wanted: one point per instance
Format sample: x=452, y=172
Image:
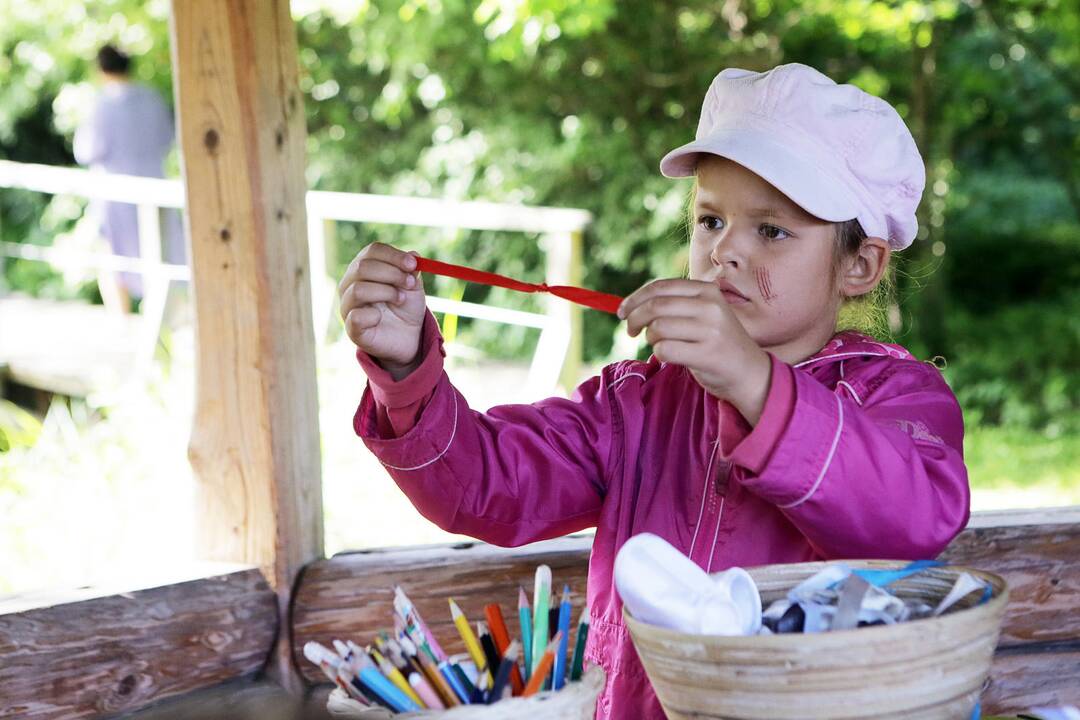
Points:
x=661, y=586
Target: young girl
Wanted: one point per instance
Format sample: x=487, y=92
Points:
x=755, y=434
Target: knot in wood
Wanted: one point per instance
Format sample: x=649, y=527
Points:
x=211, y=140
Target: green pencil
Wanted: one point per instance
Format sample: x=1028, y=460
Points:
x=579, y=645
x=541, y=598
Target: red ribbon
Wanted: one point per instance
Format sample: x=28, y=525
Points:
x=581, y=296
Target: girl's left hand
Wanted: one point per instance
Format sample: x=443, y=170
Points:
x=688, y=322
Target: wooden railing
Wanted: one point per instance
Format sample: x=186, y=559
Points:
x=558, y=351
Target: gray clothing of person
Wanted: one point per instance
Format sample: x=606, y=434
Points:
x=130, y=132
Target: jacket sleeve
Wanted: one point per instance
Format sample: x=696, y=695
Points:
x=882, y=479
x=513, y=475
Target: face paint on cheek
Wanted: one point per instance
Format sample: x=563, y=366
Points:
x=764, y=284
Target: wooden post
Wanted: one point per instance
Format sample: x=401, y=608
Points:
x=255, y=442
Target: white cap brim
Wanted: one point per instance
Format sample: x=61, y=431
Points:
x=805, y=173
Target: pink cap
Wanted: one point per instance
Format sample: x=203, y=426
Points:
x=836, y=151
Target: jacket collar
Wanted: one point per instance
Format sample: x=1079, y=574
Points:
x=851, y=344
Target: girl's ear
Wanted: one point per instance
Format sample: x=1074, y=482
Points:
x=864, y=270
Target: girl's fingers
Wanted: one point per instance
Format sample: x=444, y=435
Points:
x=383, y=272
x=404, y=261
x=366, y=293
x=362, y=318
x=657, y=288
x=664, y=306
x=679, y=352
x=684, y=329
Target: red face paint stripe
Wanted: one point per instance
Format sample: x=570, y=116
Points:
x=764, y=284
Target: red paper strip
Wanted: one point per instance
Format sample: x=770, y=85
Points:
x=581, y=296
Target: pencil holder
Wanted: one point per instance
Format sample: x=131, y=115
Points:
x=928, y=669
x=576, y=701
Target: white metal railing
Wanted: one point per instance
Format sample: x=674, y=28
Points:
x=557, y=350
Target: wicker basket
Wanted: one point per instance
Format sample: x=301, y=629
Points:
x=930, y=669
x=576, y=701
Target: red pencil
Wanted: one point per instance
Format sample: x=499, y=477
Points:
x=497, y=625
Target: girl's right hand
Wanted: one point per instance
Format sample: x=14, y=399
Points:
x=382, y=305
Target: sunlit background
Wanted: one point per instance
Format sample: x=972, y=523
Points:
x=557, y=104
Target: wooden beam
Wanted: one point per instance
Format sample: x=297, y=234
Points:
x=82, y=655
x=255, y=441
x=1038, y=554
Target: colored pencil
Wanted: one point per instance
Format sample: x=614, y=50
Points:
x=487, y=644
x=410, y=610
x=471, y=643
x=543, y=667
x=394, y=675
x=330, y=665
x=454, y=681
x=398, y=700
x=559, y=672
x=541, y=598
x=506, y=668
x=438, y=682
x=499, y=633
x=578, y=666
x=423, y=688
x=525, y=618
x=466, y=682
x=361, y=689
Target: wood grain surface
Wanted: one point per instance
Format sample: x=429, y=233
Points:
x=108, y=654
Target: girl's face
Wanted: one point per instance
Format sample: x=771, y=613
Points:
x=772, y=259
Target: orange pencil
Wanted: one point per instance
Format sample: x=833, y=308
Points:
x=540, y=672
x=502, y=642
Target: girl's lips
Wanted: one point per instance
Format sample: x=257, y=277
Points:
x=731, y=294
x=734, y=298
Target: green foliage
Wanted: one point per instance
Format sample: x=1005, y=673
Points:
x=563, y=103
x=1018, y=367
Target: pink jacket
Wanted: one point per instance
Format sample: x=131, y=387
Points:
x=858, y=453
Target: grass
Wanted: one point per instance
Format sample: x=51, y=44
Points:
x=1010, y=468
x=105, y=493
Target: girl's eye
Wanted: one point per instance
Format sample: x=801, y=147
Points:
x=710, y=222
x=772, y=232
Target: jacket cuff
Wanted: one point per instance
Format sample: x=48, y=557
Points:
x=754, y=450
x=805, y=447
x=418, y=384
x=427, y=441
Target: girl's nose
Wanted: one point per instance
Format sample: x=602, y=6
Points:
x=724, y=253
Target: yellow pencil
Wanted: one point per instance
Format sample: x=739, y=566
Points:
x=394, y=675
x=471, y=643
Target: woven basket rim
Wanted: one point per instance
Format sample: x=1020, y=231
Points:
x=986, y=610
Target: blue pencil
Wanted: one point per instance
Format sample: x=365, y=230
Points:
x=454, y=681
x=559, y=672
x=386, y=690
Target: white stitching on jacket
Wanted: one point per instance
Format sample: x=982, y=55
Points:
x=716, y=534
x=854, y=395
x=847, y=354
x=828, y=460
x=453, y=432
x=704, y=493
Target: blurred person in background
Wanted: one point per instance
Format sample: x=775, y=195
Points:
x=129, y=132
